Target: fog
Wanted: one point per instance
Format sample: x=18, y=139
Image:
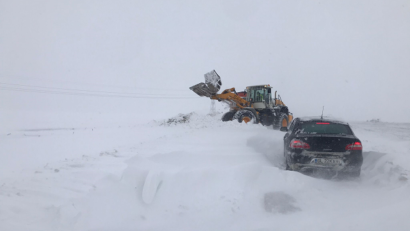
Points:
x=91, y=139
x=352, y=57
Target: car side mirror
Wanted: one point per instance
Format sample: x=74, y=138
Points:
x=284, y=129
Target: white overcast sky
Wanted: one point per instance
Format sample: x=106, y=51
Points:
x=351, y=56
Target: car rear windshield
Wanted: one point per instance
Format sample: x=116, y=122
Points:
x=324, y=128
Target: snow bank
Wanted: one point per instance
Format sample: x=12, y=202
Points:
x=386, y=151
x=197, y=173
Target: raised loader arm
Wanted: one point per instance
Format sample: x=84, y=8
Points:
x=211, y=87
x=230, y=96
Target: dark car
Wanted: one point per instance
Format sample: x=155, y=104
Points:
x=314, y=143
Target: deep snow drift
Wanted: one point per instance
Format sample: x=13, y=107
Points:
x=194, y=172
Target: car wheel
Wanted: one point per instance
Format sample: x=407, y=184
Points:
x=287, y=167
x=286, y=159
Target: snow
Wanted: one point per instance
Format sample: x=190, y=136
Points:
x=213, y=81
x=88, y=90
x=194, y=172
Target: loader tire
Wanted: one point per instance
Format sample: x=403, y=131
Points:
x=283, y=121
x=247, y=117
x=228, y=116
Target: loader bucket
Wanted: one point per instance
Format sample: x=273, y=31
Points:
x=213, y=81
x=201, y=89
x=210, y=87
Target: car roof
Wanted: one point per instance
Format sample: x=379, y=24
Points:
x=320, y=119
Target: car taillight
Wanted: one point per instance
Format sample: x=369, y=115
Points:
x=354, y=146
x=298, y=144
x=322, y=123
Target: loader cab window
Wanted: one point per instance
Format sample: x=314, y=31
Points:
x=259, y=94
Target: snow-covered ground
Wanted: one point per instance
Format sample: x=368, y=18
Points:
x=194, y=173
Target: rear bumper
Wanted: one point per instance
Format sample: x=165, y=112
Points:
x=350, y=161
x=307, y=167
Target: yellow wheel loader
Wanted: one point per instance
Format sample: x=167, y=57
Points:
x=256, y=105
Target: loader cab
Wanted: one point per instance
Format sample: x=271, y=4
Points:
x=260, y=96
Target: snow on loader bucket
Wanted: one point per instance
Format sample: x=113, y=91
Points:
x=210, y=87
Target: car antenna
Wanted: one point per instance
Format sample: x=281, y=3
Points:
x=322, y=113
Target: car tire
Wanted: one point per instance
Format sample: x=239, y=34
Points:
x=284, y=155
x=287, y=167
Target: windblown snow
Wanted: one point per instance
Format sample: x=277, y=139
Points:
x=194, y=172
